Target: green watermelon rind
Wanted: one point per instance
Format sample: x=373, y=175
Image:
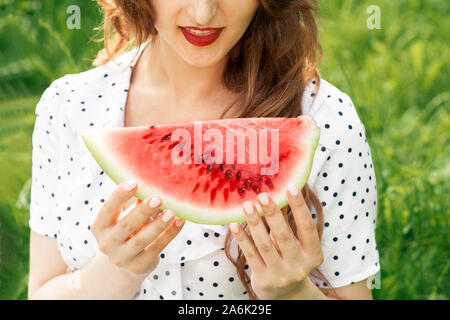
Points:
x=183, y=209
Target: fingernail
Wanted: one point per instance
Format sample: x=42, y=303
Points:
x=167, y=216
x=234, y=227
x=292, y=188
x=130, y=185
x=263, y=198
x=248, y=207
x=154, y=202
x=179, y=222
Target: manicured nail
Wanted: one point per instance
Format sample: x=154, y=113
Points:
x=130, y=185
x=248, y=207
x=263, y=198
x=292, y=188
x=179, y=222
x=234, y=227
x=154, y=202
x=167, y=216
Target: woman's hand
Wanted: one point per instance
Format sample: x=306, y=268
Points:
x=135, y=241
x=280, y=262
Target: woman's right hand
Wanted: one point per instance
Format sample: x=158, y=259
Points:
x=134, y=242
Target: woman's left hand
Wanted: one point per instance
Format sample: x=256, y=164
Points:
x=280, y=261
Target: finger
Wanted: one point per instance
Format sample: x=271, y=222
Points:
x=148, y=234
x=306, y=228
x=284, y=211
x=136, y=218
x=279, y=227
x=260, y=236
x=160, y=242
x=248, y=247
x=110, y=210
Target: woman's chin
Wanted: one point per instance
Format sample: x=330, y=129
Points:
x=202, y=60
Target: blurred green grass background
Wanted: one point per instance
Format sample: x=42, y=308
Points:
x=397, y=77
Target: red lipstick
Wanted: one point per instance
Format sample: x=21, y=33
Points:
x=201, y=36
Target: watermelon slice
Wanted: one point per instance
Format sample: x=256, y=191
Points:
x=205, y=170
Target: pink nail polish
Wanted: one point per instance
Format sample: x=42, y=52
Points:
x=292, y=188
x=263, y=198
x=234, y=227
x=248, y=207
x=167, y=216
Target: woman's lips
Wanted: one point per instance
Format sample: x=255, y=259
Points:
x=201, y=36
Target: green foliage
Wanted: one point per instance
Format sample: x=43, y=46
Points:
x=397, y=77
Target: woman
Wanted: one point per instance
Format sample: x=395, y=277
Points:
x=197, y=60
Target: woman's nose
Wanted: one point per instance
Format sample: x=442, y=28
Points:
x=203, y=11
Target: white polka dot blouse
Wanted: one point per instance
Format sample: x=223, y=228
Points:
x=69, y=188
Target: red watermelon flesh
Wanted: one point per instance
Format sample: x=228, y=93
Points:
x=205, y=170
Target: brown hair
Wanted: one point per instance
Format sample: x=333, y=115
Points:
x=268, y=69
